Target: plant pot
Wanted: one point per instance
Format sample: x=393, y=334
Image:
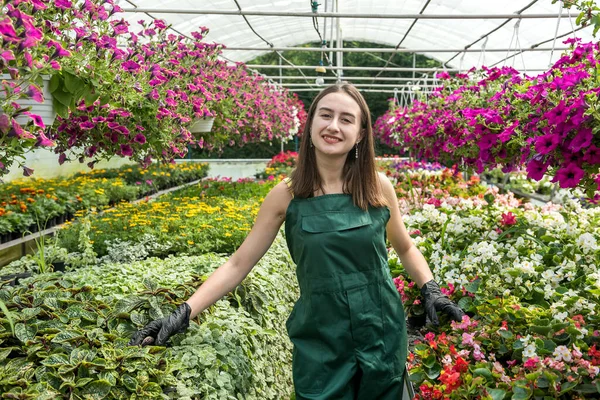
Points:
x=45, y=109
x=58, y=266
x=202, y=125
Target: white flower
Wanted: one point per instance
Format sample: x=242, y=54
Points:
x=561, y=316
x=587, y=242
x=562, y=353
x=529, y=351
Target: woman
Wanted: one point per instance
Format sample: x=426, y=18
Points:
x=348, y=326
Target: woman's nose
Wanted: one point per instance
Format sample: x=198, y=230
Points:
x=333, y=125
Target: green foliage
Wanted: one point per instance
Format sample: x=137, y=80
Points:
x=71, y=333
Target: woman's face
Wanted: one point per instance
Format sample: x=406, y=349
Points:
x=336, y=126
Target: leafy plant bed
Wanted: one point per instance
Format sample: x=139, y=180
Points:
x=67, y=339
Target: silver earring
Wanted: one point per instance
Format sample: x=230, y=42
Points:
x=357, y=149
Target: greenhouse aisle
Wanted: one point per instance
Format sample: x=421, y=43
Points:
x=141, y=139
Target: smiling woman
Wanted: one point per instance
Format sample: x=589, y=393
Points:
x=348, y=326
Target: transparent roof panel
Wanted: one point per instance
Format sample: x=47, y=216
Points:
x=441, y=36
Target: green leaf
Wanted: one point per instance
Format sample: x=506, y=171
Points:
x=567, y=386
x=72, y=82
x=433, y=372
x=90, y=98
x=542, y=330
x=54, y=83
x=558, y=327
x=521, y=393
x=485, y=372
x=24, y=332
x=5, y=352
x=497, y=394
x=506, y=334
x=98, y=389
x=465, y=303
x=417, y=377
x=130, y=383
x=61, y=109
x=472, y=287
x=63, y=98
x=429, y=361
x=8, y=316
x=56, y=360
x=66, y=336
x=586, y=388
x=81, y=382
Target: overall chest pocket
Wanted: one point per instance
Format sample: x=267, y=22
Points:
x=333, y=221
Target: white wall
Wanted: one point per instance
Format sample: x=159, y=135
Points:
x=232, y=168
x=45, y=165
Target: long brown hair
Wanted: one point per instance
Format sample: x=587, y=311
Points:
x=359, y=174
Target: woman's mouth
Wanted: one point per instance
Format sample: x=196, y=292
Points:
x=331, y=139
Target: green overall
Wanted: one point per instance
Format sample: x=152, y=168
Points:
x=348, y=326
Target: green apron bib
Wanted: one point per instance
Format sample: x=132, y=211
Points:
x=348, y=326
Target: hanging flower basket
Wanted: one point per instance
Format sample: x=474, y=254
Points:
x=44, y=109
x=202, y=125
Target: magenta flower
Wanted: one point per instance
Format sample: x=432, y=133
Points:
x=37, y=120
x=35, y=93
x=7, y=30
x=546, y=143
x=4, y=123
x=62, y=158
x=19, y=132
x=139, y=138
x=557, y=114
x=569, y=176
x=27, y=171
x=126, y=150
x=7, y=55
x=131, y=66
x=592, y=155
x=87, y=125
x=63, y=4
x=43, y=141
x=582, y=140
x=536, y=169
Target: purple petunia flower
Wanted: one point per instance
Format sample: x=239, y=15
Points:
x=592, y=155
x=536, y=169
x=139, y=138
x=546, y=143
x=126, y=150
x=27, y=171
x=43, y=141
x=569, y=176
x=35, y=93
x=131, y=66
x=63, y=4
x=62, y=158
x=582, y=140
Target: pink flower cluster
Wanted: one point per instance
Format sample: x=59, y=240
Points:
x=543, y=122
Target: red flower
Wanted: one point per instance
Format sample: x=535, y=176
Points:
x=450, y=378
x=508, y=219
x=461, y=365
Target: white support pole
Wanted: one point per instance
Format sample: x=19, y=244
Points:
x=340, y=45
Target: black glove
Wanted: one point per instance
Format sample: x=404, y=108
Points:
x=434, y=300
x=159, y=331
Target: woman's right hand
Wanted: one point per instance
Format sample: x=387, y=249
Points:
x=159, y=331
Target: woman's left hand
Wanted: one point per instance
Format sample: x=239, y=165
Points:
x=434, y=300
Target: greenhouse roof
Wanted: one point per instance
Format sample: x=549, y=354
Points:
x=460, y=33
